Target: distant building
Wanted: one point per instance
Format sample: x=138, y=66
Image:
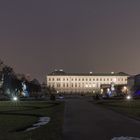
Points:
x=84, y=82
x=134, y=85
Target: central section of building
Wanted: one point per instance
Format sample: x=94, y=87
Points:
x=84, y=82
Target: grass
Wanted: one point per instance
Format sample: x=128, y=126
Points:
x=130, y=108
x=19, y=115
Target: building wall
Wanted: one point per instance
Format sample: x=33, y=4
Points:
x=66, y=83
x=134, y=84
x=131, y=84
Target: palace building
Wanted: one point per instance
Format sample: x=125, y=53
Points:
x=84, y=82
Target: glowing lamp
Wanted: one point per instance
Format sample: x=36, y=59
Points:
x=128, y=97
x=15, y=98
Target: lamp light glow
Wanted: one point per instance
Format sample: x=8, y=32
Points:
x=14, y=98
x=128, y=97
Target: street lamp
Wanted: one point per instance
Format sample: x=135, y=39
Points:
x=128, y=97
x=14, y=98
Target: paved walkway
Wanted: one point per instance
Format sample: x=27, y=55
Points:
x=86, y=121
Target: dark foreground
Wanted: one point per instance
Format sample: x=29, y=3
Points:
x=15, y=117
x=86, y=121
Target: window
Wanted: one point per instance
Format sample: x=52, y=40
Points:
x=58, y=79
x=58, y=85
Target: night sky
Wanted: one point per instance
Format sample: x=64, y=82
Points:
x=38, y=36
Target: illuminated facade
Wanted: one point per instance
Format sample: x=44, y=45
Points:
x=83, y=83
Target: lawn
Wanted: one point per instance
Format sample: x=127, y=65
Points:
x=127, y=107
x=16, y=116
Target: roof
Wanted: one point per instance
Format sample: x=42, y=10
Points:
x=62, y=73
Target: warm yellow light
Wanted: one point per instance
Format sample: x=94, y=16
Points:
x=102, y=91
x=86, y=86
x=115, y=80
x=125, y=89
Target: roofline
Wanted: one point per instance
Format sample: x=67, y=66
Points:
x=88, y=74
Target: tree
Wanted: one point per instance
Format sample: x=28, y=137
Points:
x=34, y=88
